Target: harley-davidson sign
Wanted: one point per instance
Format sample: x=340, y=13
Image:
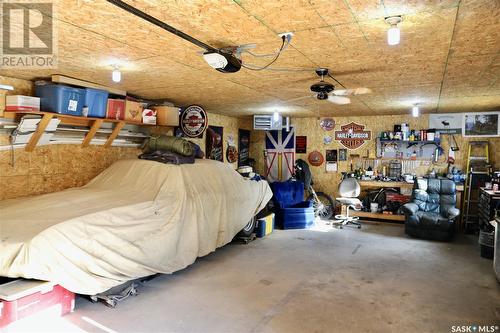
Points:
x=193, y=121
x=352, y=135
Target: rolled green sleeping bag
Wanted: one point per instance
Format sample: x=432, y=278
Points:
x=170, y=143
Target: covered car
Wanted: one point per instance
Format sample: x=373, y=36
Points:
x=135, y=219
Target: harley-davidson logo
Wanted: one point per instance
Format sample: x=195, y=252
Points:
x=352, y=135
x=194, y=121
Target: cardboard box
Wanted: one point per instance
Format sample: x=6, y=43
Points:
x=22, y=103
x=116, y=109
x=133, y=111
x=167, y=115
x=149, y=117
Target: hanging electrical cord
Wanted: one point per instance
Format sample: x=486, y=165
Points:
x=288, y=39
x=256, y=68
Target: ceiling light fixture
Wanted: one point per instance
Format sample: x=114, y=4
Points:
x=415, y=111
x=116, y=75
x=393, y=34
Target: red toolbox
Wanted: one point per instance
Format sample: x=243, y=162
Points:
x=23, y=298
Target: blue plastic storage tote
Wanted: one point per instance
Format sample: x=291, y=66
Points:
x=292, y=212
x=97, y=102
x=60, y=99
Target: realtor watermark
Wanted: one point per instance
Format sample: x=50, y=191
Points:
x=475, y=328
x=28, y=35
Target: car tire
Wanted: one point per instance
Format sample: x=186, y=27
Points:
x=249, y=228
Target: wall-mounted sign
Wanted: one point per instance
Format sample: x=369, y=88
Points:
x=231, y=154
x=328, y=124
x=331, y=155
x=352, y=135
x=301, y=144
x=231, y=151
x=243, y=147
x=193, y=121
x=342, y=154
x=331, y=160
x=327, y=139
x=315, y=158
x=446, y=123
x=214, y=148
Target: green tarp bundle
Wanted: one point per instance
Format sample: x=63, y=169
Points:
x=170, y=143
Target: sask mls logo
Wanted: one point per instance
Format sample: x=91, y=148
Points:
x=28, y=34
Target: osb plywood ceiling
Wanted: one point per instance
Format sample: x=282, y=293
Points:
x=448, y=59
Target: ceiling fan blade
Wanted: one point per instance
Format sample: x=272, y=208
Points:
x=340, y=100
x=355, y=91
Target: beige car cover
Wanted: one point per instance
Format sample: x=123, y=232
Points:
x=135, y=219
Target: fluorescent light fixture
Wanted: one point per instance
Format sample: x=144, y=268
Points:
x=116, y=75
x=415, y=111
x=6, y=87
x=276, y=116
x=393, y=34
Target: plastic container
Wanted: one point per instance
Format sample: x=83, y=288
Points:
x=487, y=244
x=23, y=298
x=61, y=99
x=265, y=225
x=96, y=101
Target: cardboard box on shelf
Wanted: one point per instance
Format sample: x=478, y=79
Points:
x=116, y=109
x=22, y=103
x=149, y=117
x=133, y=111
x=167, y=115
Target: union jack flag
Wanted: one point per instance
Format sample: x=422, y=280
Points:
x=280, y=157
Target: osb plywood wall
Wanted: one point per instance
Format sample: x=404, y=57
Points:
x=328, y=182
x=56, y=167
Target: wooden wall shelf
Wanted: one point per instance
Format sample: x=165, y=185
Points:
x=93, y=123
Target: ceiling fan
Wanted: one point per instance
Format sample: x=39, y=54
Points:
x=326, y=91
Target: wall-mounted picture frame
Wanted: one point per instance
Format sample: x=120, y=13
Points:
x=481, y=124
x=342, y=154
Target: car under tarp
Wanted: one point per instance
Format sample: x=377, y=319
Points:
x=135, y=219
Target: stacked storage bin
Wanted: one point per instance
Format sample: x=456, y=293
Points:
x=96, y=101
x=61, y=99
x=68, y=100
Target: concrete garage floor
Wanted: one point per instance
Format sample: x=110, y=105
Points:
x=371, y=280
